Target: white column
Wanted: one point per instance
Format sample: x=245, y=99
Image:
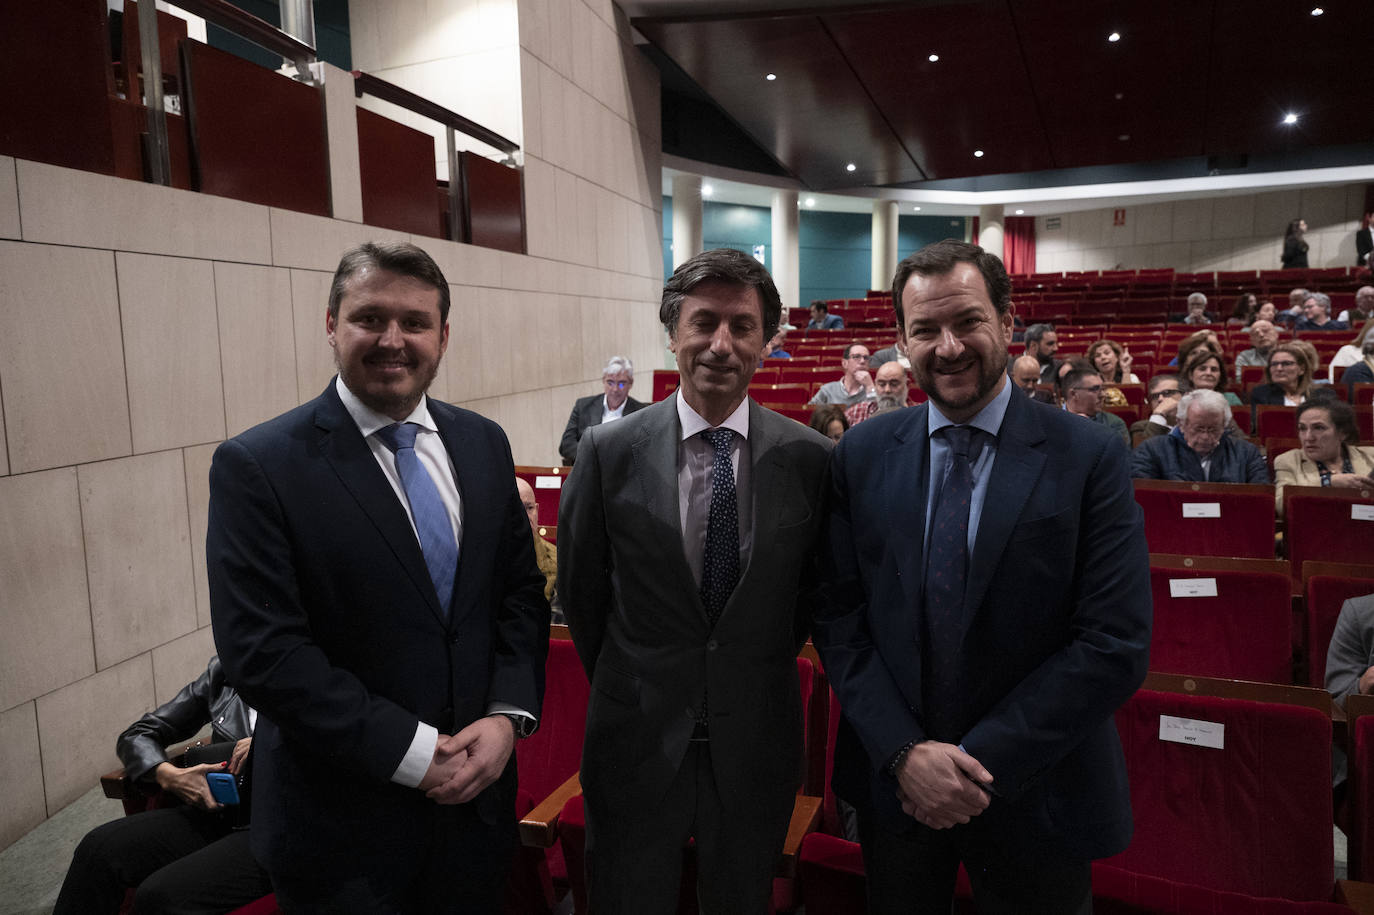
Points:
x=884, y=244
x=686, y=218
x=786, y=266
x=990, y=231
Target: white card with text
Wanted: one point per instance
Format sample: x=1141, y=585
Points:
x=1192, y=587
x=548, y=482
x=1360, y=512
x=1191, y=730
x=1202, y=509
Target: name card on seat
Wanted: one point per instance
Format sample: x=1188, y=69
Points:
x=1360, y=512
x=1192, y=731
x=1192, y=587
x=548, y=482
x=1202, y=509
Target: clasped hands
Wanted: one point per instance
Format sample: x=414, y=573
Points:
x=189, y=784
x=469, y=761
x=940, y=785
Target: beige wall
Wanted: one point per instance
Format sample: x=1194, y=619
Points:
x=1234, y=232
x=143, y=325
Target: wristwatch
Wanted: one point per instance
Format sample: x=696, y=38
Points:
x=523, y=724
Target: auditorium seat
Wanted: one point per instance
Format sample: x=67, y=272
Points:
x=1208, y=519
x=1328, y=585
x=1335, y=525
x=547, y=483
x=1359, y=712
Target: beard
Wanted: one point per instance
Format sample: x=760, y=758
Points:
x=887, y=402
x=989, y=374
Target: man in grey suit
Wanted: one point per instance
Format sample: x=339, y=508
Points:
x=686, y=537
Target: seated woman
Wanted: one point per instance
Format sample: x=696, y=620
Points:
x=1113, y=363
x=193, y=857
x=1287, y=377
x=1207, y=338
x=1203, y=372
x=1329, y=455
x=1353, y=354
x=1243, y=314
x=828, y=419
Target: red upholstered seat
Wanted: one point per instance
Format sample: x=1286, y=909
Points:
x=1244, y=527
x=1243, y=632
x=1119, y=892
x=1361, y=768
x=1328, y=524
x=1253, y=816
x=1325, y=595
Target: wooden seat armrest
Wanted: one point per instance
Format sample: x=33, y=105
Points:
x=1356, y=894
x=806, y=816
x=117, y=785
x=539, y=827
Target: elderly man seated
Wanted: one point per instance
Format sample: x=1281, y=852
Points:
x=1199, y=450
x=614, y=402
x=1264, y=336
x=891, y=383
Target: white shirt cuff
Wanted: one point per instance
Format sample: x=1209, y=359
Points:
x=416, y=762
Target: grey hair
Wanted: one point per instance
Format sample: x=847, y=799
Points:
x=1206, y=401
x=1323, y=300
x=1036, y=332
x=1197, y=298
x=617, y=364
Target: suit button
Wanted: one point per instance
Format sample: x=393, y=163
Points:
x=712, y=645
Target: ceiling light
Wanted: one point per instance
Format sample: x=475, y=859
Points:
x=933, y=58
x=707, y=190
x=1123, y=137
x=1290, y=118
x=977, y=154
x=810, y=201
x=850, y=167
x=1120, y=96
x=1317, y=11
x=917, y=209
x=771, y=76
x=1114, y=36
x=1020, y=212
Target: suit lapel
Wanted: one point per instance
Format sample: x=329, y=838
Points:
x=654, y=452
x=351, y=459
x=906, y=494
x=478, y=492
x=1020, y=460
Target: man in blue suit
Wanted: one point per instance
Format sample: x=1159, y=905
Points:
x=375, y=596
x=980, y=639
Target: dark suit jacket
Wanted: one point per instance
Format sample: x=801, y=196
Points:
x=1168, y=457
x=586, y=412
x=1058, y=620
x=643, y=634
x=328, y=623
x=1364, y=244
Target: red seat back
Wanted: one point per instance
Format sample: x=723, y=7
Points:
x=1361, y=769
x=1325, y=595
x=548, y=757
x=1243, y=632
x=1243, y=525
x=1334, y=525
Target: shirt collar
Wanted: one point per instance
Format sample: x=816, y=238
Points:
x=989, y=419
x=692, y=423
x=369, y=420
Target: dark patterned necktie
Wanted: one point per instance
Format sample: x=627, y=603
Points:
x=720, y=561
x=427, y=508
x=946, y=576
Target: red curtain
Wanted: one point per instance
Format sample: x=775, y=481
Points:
x=1018, y=244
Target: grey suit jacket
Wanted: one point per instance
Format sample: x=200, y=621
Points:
x=642, y=632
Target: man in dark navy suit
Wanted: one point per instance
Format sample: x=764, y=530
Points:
x=980, y=640
x=375, y=596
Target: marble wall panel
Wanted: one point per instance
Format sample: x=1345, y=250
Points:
x=317, y=242
x=1233, y=217
x=1154, y=223
x=180, y=662
x=9, y=198
x=1192, y=219
x=314, y=356
x=1273, y=210
x=257, y=343
x=197, y=463
x=21, y=767
x=1324, y=207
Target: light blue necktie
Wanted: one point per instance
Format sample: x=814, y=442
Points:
x=431, y=517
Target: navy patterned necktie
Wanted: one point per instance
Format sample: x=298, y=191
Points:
x=720, y=561
x=946, y=576
x=427, y=508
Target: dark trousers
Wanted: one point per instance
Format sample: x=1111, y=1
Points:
x=463, y=872
x=1011, y=873
x=635, y=868
x=180, y=859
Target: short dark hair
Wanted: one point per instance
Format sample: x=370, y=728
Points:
x=1036, y=332
x=825, y=414
x=1079, y=370
x=1342, y=417
x=401, y=258
x=725, y=265
x=940, y=258
x=1156, y=379
x=852, y=345
x=820, y=306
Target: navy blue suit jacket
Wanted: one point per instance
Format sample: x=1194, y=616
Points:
x=328, y=623
x=1057, y=627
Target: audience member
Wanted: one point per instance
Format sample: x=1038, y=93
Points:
x=1352, y=352
x=1162, y=398
x=1025, y=372
x=1042, y=343
x=1363, y=309
x=855, y=385
x=1207, y=338
x=775, y=345
x=1267, y=311
x=1316, y=314
x=1112, y=361
x=1197, y=311
x=1203, y=372
x=1083, y=397
x=1243, y=312
x=613, y=403
x=193, y=856
x=1364, y=242
x=1349, y=670
x=1264, y=336
x=1330, y=453
x=1287, y=377
x=1361, y=372
x=1290, y=315
x=822, y=319
x=1199, y=450
x=545, y=553
x=1295, y=246
x=891, y=382
x=894, y=353
x=829, y=420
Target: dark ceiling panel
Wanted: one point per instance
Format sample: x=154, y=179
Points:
x=976, y=96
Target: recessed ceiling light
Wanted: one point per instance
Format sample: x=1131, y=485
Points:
x=1114, y=36
x=933, y=58
x=1123, y=137
x=1020, y=212
x=850, y=167
x=1290, y=118
x=917, y=209
x=771, y=76
x=977, y=154
x=1317, y=11
x=707, y=190
x=1120, y=96
x=810, y=201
